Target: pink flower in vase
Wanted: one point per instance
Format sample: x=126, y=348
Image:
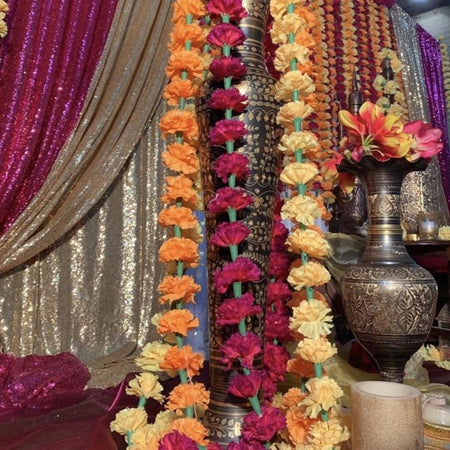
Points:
x=225, y=34
x=232, y=164
x=227, y=66
x=263, y=429
x=232, y=8
x=230, y=233
x=241, y=348
x=226, y=130
x=233, y=310
x=245, y=386
x=228, y=99
x=175, y=440
x=427, y=139
x=235, y=198
x=241, y=270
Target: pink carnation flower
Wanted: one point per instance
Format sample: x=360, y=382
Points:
x=232, y=164
x=243, y=270
x=227, y=130
x=232, y=8
x=242, y=445
x=269, y=387
x=235, y=198
x=228, y=99
x=279, y=290
x=245, y=386
x=241, y=348
x=232, y=310
x=230, y=233
x=279, y=265
x=227, y=66
x=175, y=440
x=225, y=34
x=277, y=327
x=279, y=236
x=263, y=429
x=275, y=361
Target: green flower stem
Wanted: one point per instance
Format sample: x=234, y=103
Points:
x=182, y=103
x=183, y=376
x=233, y=252
x=227, y=82
x=291, y=39
x=230, y=146
x=225, y=18
x=177, y=231
x=232, y=214
x=189, y=411
x=242, y=328
x=189, y=18
x=293, y=64
x=318, y=370
x=180, y=268
x=298, y=124
x=129, y=434
x=295, y=95
x=226, y=50
x=291, y=8
x=188, y=45
x=255, y=405
x=304, y=257
x=142, y=401
x=179, y=137
x=309, y=293
x=232, y=180
x=184, y=75
x=301, y=189
x=324, y=416
x=180, y=342
x=237, y=289
x=298, y=155
x=246, y=371
x=201, y=447
x=228, y=113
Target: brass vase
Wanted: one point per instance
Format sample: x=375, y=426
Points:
x=389, y=300
x=226, y=412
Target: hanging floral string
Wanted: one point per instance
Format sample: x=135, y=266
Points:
x=308, y=409
x=446, y=73
x=3, y=26
x=178, y=426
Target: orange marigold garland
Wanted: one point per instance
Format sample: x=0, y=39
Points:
x=185, y=69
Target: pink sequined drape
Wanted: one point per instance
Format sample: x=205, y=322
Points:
x=47, y=62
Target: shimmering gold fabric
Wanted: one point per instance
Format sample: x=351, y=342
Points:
x=422, y=191
x=91, y=289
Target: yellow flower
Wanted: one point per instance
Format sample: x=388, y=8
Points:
x=146, y=384
x=298, y=140
x=302, y=209
x=396, y=65
x=129, y=419
x=279, y=7
x=152, y=355
x=391, y=87
x=308, y=275
x=294, y=80
x=308, y=241
x=298, y=173
x=191, y=428
x=316, y=350
x=324, y=393
x=144, y=438
x=3, y=28
x=285, y=53
x=289, y=23
x=430, y=353
x=311, y=319
x=163, y=422
x=383, y=103
x=292, y=110
x=379, y=82
x=399, y=97
x=327, y=435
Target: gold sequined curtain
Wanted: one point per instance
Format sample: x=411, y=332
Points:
x=78, y=266
x=421, y=191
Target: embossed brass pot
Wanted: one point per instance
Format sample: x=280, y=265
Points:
x=226, y=412
x=389, y=300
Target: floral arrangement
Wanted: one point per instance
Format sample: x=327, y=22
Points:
x=3, y=26
x=446, y=72
x=178, y=426
x=431, y=353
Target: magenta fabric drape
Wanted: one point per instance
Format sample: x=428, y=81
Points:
x=47, y=62
x=434, y=80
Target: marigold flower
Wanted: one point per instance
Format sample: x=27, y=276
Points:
x=232, y=164
x=302, y=209
x=298, y=173
x=176, y=440
x=328, y=434
x=227, y=130
x=144, y=438
x=180, y=188
x=182, y=358
x=227, y=66
x=191, y=428
x=291, y=81
x=324, y=393
x=228, y=99
x=181, y=158
x=298, y=425
x=180, y=122
x=152, y=355
x=316, y=350
x=291, y=111
x=242, y=270
x=187, y=61
x=226, y=34
x=179, y=321
x=183, y=32
x=183, y=8
x=147, y=385
x=178, y=88
x=179, y=249
x=178, y=288
x=290, y=23
x=245, y=386
x=190, y=394
x=279, y=7
x=235, y=198
x=180, y=216
x=300, y=367
x=308, y=275
x=231, y=8
x=129, y=419
x=242, y=348
x=287, y=52
x=304, y=37
x=308, y=241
